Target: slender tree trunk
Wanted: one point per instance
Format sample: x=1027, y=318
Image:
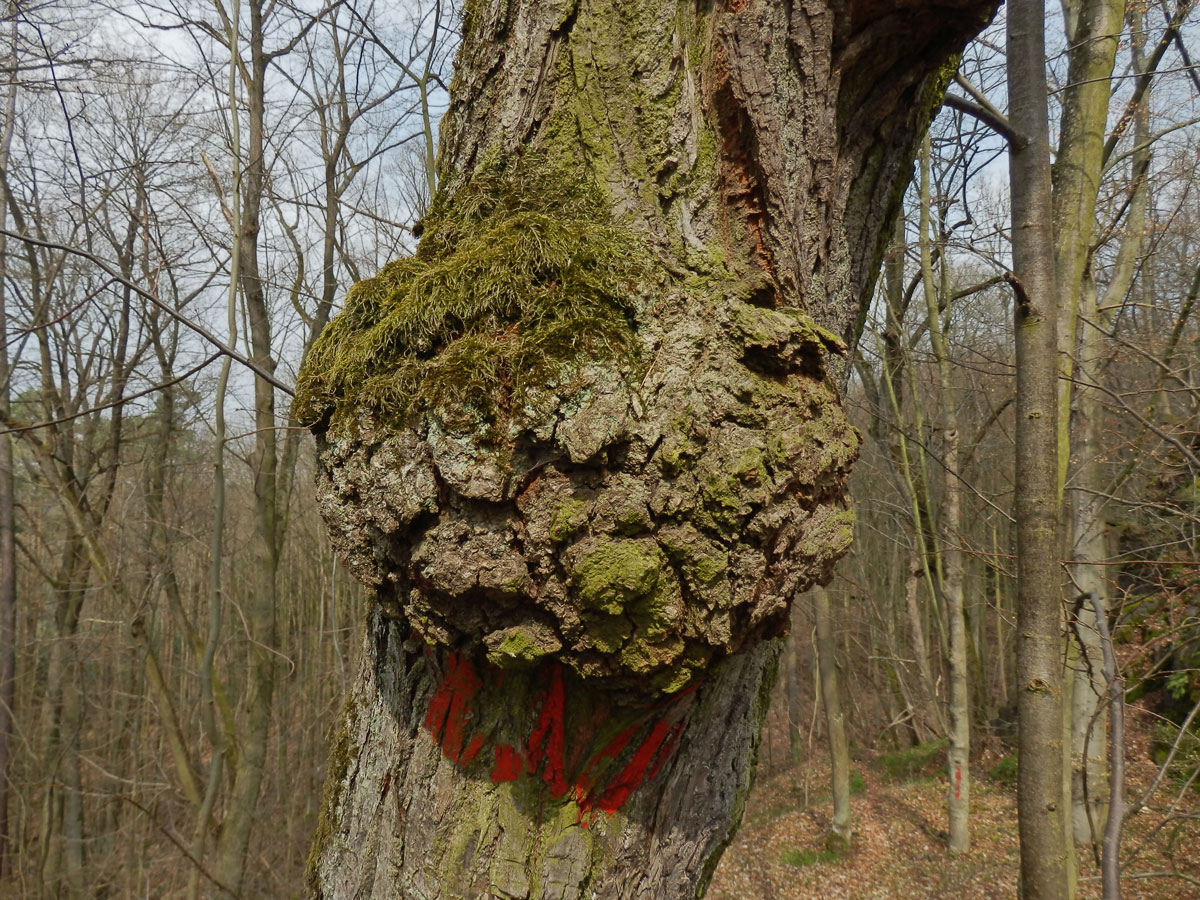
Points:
x=839, y=749
x=791, y=674
x=1089, y=718
x=568, y=665
x=928, y=715
x=958, y=755
x=1002, y=630
x=259, y=602
x=1110, y=864
x=74, y=832
x=1093, y=27
x=61, y=861
x=8, y=544
x=1039, y=634
x=1087, y=503
x=8, y=596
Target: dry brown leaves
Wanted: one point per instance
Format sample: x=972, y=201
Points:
x=900, y=837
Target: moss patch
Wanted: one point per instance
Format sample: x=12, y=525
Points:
x=618, y=573
x=913, y=762
x=1005, y=771
x=521, y=646
x=795, y=857
x=519, y=277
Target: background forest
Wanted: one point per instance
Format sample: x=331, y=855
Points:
x=188, y=189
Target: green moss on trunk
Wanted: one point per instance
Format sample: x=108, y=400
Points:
x=519, y=278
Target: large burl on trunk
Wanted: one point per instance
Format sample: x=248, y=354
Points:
x=586, y=445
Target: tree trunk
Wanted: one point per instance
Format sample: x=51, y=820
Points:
x=584, y=446
x=928, y=715
x=958, y=754
x=1093, y=27
x=1039, y=635
x=831, y=699
x=791, y=677
x=8, y=531
x=1089, y=716
x=1110, y=865
x=259, y=601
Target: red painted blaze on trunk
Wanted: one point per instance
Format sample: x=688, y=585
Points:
x=957, y=781
x=585, y=785
x=448, y=721
x=449, y=711
x=508, y=764
x=635, y=773
x=547, y=742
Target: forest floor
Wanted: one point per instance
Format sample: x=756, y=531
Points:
x=899, y=821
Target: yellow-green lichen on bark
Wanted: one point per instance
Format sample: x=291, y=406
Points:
x=521, y=646
x=568, y=519
x=618, y=573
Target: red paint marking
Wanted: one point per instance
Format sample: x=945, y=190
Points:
x=957, y=781
x=617, y=744
x=668, y=750
x=585, y=784
x=448, y=720
x=473, y=749
x=547, y=742
x=508, y=764
x=450, y=709
x=583, y=737
x=635, y=772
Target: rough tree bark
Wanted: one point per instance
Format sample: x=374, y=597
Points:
x=585, y=446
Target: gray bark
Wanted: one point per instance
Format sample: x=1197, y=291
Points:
x=958, y=753
x=579, y=593
x=259, y=602
x=1040, y=804
x=1110, y=866
x=1089, y=717
x=835, y=724
x=1093, y=27
x=8, y=544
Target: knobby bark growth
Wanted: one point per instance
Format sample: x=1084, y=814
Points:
x=586, y=444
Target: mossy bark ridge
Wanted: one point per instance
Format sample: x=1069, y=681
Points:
x=587, y=445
